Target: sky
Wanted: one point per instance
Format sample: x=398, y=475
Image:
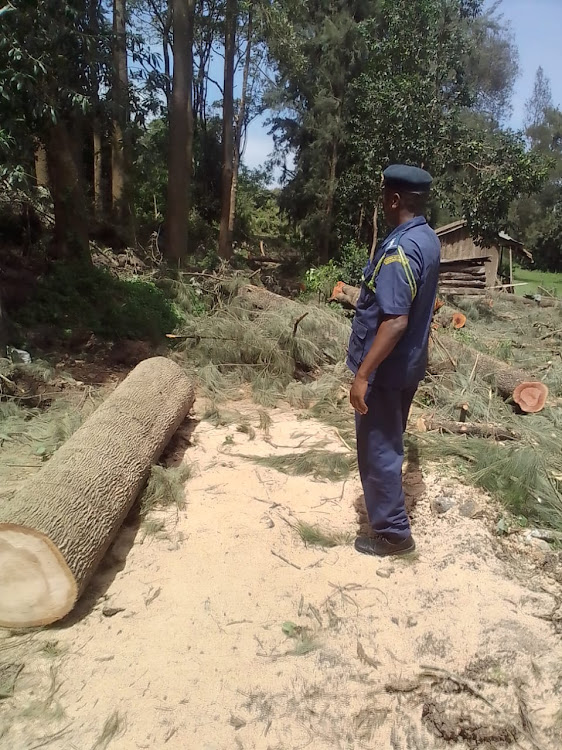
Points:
x=537, y=29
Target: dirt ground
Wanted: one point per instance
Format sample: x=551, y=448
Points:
x=225, y=631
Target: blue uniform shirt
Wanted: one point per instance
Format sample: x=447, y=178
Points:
x=400, y=280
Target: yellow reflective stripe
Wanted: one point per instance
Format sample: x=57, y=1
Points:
x=408, y=271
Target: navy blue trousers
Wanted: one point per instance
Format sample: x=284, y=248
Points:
x=380, y=452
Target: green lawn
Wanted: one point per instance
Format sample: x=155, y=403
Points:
x=534, y=279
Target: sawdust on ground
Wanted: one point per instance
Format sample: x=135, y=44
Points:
x=225, y=631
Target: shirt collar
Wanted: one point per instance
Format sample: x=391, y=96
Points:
x=417, y=221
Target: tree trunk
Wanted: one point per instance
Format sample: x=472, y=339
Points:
x=120, y=94
x=98, y=169
x=326, y=232
x=71, y=224
x=166, y=55
x=498, y=373
x=3, y=329
x=225, y=237
x=57, y=527
x=240, y=123
x=181, y=131
x=41, y=166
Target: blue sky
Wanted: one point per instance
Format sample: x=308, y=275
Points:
x=537, y=28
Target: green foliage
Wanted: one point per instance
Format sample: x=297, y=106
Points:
x=321, y=464
x=393, y=81
x=165, y=487
x=348, y=267
x=78, y=298
x=321, y=537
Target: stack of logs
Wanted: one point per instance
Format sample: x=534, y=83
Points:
x=466, y=277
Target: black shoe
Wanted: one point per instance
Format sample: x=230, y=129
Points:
x=381, y=547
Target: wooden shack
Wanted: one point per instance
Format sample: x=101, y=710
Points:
x=468, y=268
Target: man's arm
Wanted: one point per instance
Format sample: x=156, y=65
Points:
x=388, y=335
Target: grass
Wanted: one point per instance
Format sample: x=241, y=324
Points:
x=320, y=464
x=533, y=279
x=314, y=535
x=165, y=487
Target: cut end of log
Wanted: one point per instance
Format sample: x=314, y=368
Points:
x=36, y=586
x=459, y=320
x=338, y=289
x=531, y=396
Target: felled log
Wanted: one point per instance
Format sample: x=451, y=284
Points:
x=458, y=320
x=544, y=302
x=470, y=291
x=503, y=376
x=471, y=429
x=466, y=275
x=262, y=299
x=460, y=283
x=58, y=525
x=345, y=294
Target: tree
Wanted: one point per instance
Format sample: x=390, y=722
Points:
x=538, y=220
x=365, y=84
x=181, y=130
x=240, y=123
x=120, y=96
x=492, y=65
x=319, y=50
x=45, y=52
x=225, y=237
x=540, y=100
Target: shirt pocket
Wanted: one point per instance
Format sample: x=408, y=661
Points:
x=357, y=340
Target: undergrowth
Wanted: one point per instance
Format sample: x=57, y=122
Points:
x=88, y=298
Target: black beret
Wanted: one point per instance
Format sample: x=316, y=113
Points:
x=412, y=179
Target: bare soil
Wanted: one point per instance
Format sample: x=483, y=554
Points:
x=215, y=627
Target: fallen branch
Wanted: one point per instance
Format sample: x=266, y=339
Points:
x=471, y=429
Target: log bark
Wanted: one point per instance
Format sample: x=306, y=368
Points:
x=57, y=527
x=469, y=291
x=464, y=275
x=345, y=294
x=503, y=376
x=471, y=429
x=262, y=299
x=459, y=283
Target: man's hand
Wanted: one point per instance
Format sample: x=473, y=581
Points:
x=358, y=393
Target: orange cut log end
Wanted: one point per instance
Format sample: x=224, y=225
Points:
x=338, y=289
x=531, y=396
x=459, y=320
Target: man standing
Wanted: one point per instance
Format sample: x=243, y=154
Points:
x=388, y=353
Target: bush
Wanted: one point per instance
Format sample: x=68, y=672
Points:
x=349, y=268
x=76, y=298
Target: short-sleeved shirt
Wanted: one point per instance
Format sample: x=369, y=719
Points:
x=400, y=280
